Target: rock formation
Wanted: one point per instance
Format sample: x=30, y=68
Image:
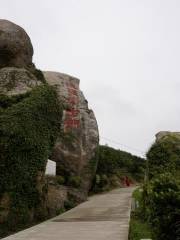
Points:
x=15, y=46
x=166, y=134
x=15, y=81
x=75, y=150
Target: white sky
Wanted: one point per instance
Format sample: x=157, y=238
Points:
x=126, y=53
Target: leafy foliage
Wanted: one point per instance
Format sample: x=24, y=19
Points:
x=6, y=101
x=74, y=181
x=113, y=165
x=111, y=160
x=163, y=202
x=39, y=75
x=139, y=229
x=164, y=156
x=29, y=127
x=161, y=195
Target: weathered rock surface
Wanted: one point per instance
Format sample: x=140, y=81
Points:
x=163, y=135
x=14, y=81
x=15, y=46
x=56, y=197
x=75, y=152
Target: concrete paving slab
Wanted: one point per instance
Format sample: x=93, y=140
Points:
x=103, y=217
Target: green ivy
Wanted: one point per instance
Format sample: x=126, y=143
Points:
x=39, y=75
x=29, y=127
x=7, y=101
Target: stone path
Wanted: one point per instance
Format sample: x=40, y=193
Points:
x=102, y=217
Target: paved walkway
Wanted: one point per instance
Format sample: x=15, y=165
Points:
x=103, y=217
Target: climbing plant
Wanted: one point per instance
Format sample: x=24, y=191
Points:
x=29, y=127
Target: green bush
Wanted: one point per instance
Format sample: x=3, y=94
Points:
x=60, y=180
x=161, y=196
x=39, y=75
x=139, y=229
x=139, y=226
x=74, y=181
x=164, y=156
x=54, y=180
x=163, y=202
x=97, y=179
x=111, y=161
x=29, y=128
x=68, y=204
x=108, y=162
x=114, y=165
x=6, y=101
x=101, y=183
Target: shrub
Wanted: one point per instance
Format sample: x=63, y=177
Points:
x=114, y=165
x=54, y=180
x=139, y=227
x=74, y=181
x=112, y=160
x=163, y=201
x=164, y=156
x=38, y=74
x=102, y=183
x=60, y=180
x=68, y=204
x=98, y=179
x=107, y=160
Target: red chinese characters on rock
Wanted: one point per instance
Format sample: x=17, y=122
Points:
x=72, y=118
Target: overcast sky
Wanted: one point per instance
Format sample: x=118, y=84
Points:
x=125, y=52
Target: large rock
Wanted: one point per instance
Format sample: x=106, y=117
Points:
x=163, y=135
x=15, y=81
x=75, y=149
x=75, y=152
x=15, y=46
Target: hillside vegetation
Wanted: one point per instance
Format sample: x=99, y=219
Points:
x=160, y=199
x=114, y=165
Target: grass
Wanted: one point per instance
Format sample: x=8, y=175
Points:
x=139, y=228
x=137, y=194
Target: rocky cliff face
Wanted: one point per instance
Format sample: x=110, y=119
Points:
x=75, y=152
x=75, y=148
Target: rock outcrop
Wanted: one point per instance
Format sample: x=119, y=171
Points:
x=15, y=81
x=163, y=135
x=15, y=46
x=75, y=152
x=75, y=148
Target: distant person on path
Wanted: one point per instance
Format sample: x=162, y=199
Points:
x=127, y=181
